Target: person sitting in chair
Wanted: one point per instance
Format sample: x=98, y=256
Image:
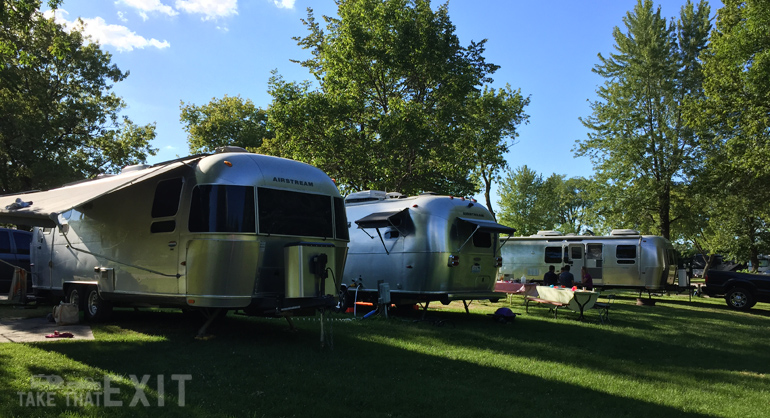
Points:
x=588, y=282
x=550, y=277
x=566, y=278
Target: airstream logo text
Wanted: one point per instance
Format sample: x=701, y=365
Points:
x=478, y=215
x=293, y=181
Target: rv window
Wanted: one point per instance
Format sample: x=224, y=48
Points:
x=482, y=239
x=577, y=253
x=22, y=241
x=166, y=201
x=553, y=255
x=284, y=212
x=5, y=242
x=220, y=208
x=594, y=252
x=340, y=219
x=163, y=226
x=625, y=251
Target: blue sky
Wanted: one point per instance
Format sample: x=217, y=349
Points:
x=196, y=50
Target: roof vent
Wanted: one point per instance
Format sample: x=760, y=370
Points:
x=366, y=196
x=394, y=195
x=548, y=234
x=229, y=148
x=135, y=167
x=616, y=232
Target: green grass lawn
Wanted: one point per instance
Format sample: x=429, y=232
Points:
x=677, y=359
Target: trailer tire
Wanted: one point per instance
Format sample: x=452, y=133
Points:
x=345, y=300
x=96, y=308
x=75, y=295
x=740, y=299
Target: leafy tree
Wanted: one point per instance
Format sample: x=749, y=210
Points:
x=527, y=201
x=530, y=203
x=390, y=103
x=734, y=113
x=570, y=202
x=641, y=148
x=222, y=122
x=59, y=120
x=493, y=118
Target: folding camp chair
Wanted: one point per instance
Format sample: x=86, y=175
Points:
x=604, y=308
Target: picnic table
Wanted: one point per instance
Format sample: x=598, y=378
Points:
x=578, y=300
x=512, y=288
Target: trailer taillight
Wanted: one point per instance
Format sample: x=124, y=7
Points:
x=454, y=261
x=498, y=261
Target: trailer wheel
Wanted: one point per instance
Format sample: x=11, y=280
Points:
x=345, y=300
x=740, y=299
x=97, y=309
x=75, y=295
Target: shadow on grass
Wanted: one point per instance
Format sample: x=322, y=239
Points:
x=399, y=367
x=265, y=370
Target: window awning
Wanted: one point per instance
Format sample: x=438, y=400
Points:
x=483, y=225
x=383, y=219
x=46, y=206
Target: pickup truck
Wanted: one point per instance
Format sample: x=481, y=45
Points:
x=741, y=290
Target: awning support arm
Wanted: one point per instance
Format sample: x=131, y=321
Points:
x=378, y=234
x=469, y=238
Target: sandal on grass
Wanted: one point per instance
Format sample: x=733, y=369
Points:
x=57, y=334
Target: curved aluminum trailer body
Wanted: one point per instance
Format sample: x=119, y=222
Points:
x=231, y=230
x=425, y=248
x=623, y=259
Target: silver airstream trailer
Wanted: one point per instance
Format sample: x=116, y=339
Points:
x=623, y=259
x=231, y=230
x=422, y=248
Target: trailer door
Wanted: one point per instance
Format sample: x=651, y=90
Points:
x=595, y=261
x=576, y=255
x=41, y=257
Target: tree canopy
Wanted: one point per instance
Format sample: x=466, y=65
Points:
x=640, y=146
x=222, y=122
x=493, y=118
x=530, y=203
x=389, y=101
x=734, y=114
x=59, y=119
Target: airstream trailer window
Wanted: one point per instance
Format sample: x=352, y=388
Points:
x=577, y=253
x=166, y=201
x=163, y=226
x=222, y=208
x=553, y=255
x=594, y=252
x=340, y=220
x=481, y=239
x=284, y=212
x=626, y=254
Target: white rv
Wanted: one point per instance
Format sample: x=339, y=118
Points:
x=232, y=230
x=423, y=248
x=623, y=259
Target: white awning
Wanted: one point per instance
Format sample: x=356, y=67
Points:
x=46, y=206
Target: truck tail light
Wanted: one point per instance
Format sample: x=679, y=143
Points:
x=498, y=261
x=454, y=261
